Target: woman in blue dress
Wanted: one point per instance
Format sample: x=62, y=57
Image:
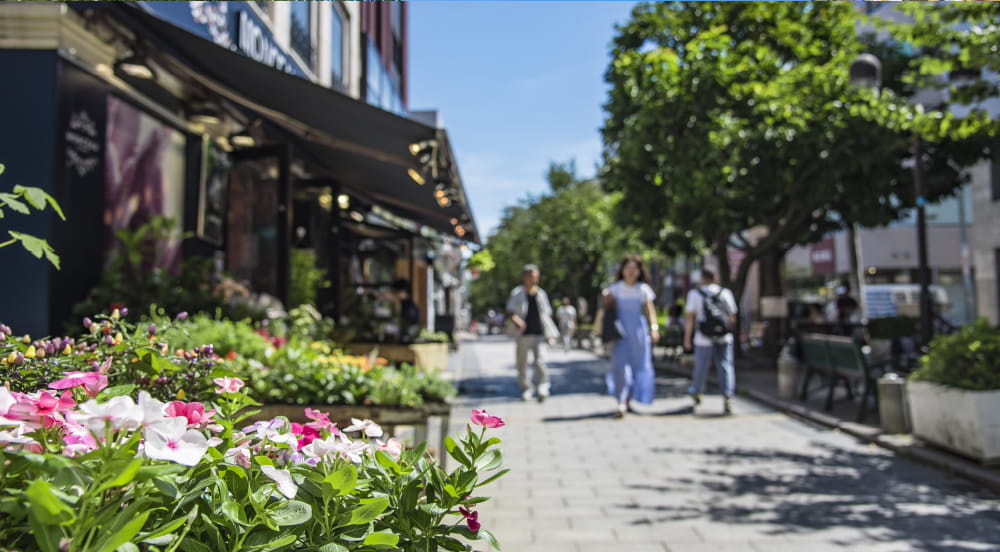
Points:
x=631, y=376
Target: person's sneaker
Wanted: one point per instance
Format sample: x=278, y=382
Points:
x=526, y=396
x=541, y=397
x=696, y=397
x=727, y=406
x=620, y=411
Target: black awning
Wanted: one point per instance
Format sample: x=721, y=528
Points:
x=363, y=147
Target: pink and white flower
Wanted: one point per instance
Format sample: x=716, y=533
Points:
x=92, y=382
x=393, y=447
x=370, y=428
x=172, y=440
x=283, y=478
x=479, y=417
x=194, y=412
x=228, y=384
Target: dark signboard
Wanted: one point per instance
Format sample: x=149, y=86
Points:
x=233, y=25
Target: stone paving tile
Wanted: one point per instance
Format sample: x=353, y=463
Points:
x=672, y=479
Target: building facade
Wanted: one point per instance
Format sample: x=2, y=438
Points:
x=261, y=128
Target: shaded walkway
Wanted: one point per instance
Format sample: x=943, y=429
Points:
x=666, y=479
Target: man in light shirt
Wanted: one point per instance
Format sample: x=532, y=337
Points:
x=711, y=315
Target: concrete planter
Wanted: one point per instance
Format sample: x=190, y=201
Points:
x=967, y=422
x=428, y=356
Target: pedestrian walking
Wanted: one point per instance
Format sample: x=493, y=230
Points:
x=530, y=324
x=566, y=316
x=711, y=317
x=631, y=299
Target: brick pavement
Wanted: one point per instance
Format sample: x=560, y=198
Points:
x=672, y=479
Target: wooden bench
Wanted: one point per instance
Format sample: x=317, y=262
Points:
x=838, y=359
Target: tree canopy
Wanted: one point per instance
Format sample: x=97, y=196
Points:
x=728, y=116
x=569, y=233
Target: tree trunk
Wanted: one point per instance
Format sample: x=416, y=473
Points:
x=771, y=285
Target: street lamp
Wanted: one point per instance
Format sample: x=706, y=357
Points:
x=866, y=71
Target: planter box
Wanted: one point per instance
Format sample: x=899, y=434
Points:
x=428, y=356
x=967, y=422
x=419, y=418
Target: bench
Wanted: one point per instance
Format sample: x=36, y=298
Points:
x=838, y=359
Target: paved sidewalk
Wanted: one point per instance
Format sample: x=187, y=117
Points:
x=672, y=479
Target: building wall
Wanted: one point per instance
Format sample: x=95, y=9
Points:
x=986, y=240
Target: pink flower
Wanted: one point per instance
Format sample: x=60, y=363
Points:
x=479, y=417
x=228, y=385
x=93, y=382
x=193, y=411
x=321, y=421
x=472, y=518
x=306, y=433
x=394, y=447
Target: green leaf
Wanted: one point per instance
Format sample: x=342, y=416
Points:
x=14, y=204
x=191, y=545
x=456, y=452
x=117, y=391
x=489, y=461
x=433, y=509
x=128, y=547
x=481, y=534
x=449, y=543
x=35, y=196
x=333, y=547
x=387, y=461
x=293, y=512
x=166, y=528
x=343, y=479
x=279, y=542
x=233, y=511
x=46, y=505
x=368, y=510
x=3, y=168
x=125, y=474
x=382, y=538
x=124, y=534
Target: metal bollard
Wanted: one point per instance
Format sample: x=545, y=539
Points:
x=892, y=407
x=788, y=373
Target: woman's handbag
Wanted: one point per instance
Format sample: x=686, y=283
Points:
x=609, y=324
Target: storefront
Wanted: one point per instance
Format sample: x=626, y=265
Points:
x=125, y=111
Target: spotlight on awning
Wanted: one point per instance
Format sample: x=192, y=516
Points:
x=343, y=201
x=204, y=115
x=136, y=66
x=424, y=150
x=416, y=176
x=242, y=139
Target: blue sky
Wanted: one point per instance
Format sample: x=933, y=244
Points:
x=517, y=84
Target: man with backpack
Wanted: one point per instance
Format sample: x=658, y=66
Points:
x=711, y=316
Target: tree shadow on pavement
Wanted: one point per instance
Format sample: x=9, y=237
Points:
x=890, y=498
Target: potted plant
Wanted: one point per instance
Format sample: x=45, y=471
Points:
x=954, y=397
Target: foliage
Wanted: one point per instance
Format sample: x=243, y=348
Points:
x=18, y=200
x=227, y=337
x=891, y=327
x=306, y=278
x=427, y=336
x=729, y=116
x=966, y=360
x=481, y=260
x=568, y=233
x=952, y=36
x=316, y=373
x=117, y=474
x=111, y=351
x=135, y=277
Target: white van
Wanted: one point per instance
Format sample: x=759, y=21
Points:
x=900, y=299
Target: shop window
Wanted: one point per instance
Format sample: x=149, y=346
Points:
x=302, y=30
x=337, y=48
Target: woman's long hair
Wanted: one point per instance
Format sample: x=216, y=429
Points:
x=643, y=275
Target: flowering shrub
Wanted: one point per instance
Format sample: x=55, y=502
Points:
x=112, y=473
x=112, y=352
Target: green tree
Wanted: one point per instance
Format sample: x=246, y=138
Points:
x=569, y=233
x=728, y=116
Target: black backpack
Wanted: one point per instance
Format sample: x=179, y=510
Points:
x=716, y=316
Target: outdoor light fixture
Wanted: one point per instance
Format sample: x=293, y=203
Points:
x=136, y=66
x=343, y=201
x=453, y=221
x=424, y=150
x=358, y=217
x=460, y=231
x=416, y=176
x=243, y=139
x=325, y=201
x=204, y=115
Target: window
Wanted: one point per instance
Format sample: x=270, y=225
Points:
x=337, y=49
x=301, y=30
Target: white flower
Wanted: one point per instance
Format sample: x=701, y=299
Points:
x=394, y=447
x=342, y=446
x=152, y=410
x=369, y=427
x=283, y=478
x=120, y=411
x=239, y=456
x=171, y=440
